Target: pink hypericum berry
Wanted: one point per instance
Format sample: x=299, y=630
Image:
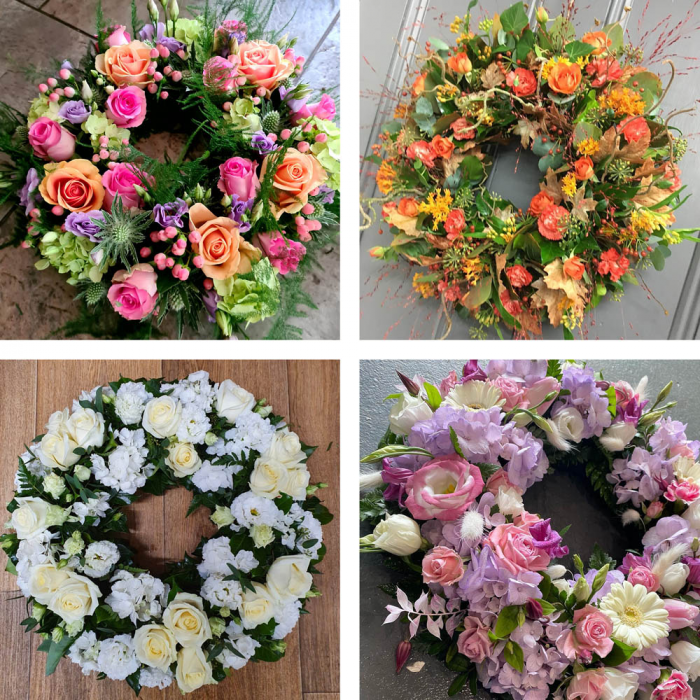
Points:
x=303, y=146
x=162, y=235
x=24, y=244
x=164, y=95
x=104, y=140
x=69, y=91
x=195, y=237
x=111, y=166
x=169, y=262
x=57, y=210
x=300, y=60
x=208, y=284
x=64, y=74
x=104, y=154
x=303, y=233
x=96, y=158
x=145, y=252
x=286, y=133
x=163, y=51
x=241, y=80
x=152, y=88
x=157, y=76
x=113, y=155
x=125, y=142
x=155, y=237
x=177, y=76
x=34, y=213
x=154, y=53
x=52, y=82
x=321, y=138
x=314, y=192
x=151, y=68
x=227, y=106
x=171, y=232
x=176, y=270
x=43, y=87
x=272, y=137
x=53, y=97
x=198, y=261
x=299, y=220
x=308, y=209
x=167, y=70
x=260, y=92
x=256, y=100
x=59, y=92
x=181, y=53
x=307, y=127
x=184, y=274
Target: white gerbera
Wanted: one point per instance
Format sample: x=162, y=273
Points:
x=638, y=616
x=474, y=396
x=686, y=469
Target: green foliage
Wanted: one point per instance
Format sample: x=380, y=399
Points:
x=600, y=558
x=373, y=507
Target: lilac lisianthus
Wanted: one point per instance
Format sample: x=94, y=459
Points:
x=543, y=537
x=527, y=371
x=527, y=461
x=694, y=574
x=396, y=477
x=210, y=299
x=262, y=143
x=75, y=111
x=239, y=207
x=170, y=214
x=28, y=195
x=669, y=531
x=149, y=32
x=471, y=371
x=85, y=224
x=328, y=194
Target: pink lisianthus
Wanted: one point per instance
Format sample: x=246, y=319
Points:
x=50, y=140
x=644, y=576
x=474, y=642
x=680, y=614
x=134, y=294
x=686, y=491
x=119, y=36
x=126, y=107
x=675, y=687
x=238, y=177
x=324, y=108
x=516, y=549
x=591, y=635
x=442, y=565
x=587, y=685
x=119, y=182
x=536, y=394
x=220, y=73
x=284, y=253
x=654, y=509
x=443, y=488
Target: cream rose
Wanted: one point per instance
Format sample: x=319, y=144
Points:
x=155, y=646
x=183, y=459
x=186, y=619
x=258, y=607
x=296, y=482
x=397, y=534
x=87, y=428
x=44, y=581
x=58, y=421
x=75, y=598
x=270, y=478
x=232, y=400
x=288, y=578
x=29, y=519
x=286, y=448
x=161, y=417
x=56, y=451
x=193, y=670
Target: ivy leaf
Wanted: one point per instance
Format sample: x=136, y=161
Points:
x=56, y=653
x=394, y=451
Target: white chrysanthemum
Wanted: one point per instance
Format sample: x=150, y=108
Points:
x=249, y=509
x=94, y=508
x=286, y=617
x=212, y=477
x=224, y=594
x=100, y=557
x=474, y=396
x=130, y=401
x=139, y=598
x=216, y=557
x=471, y=528
x=117, y=657
x=84, y=652
x=194, y=425
x=638, y=616
x=155, y=678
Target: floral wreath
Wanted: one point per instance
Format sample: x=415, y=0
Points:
x=226, y=230
x=588, y=109
x=482, y=588
x=232, y=600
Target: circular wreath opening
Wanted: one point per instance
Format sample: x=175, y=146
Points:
x=232, y=600
x=482, y=584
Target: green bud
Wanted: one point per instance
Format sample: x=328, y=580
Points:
x=38, y=611
x=63, y=563
x=217, y=626
x=542, y=16
x=56, y=635
x=153, y=11
x=221, y=516
x=262, y=408
x=313, y=593
x=599, y=580
x=226, y=201
x=73, y=629
x=100, y=81
x=278, y=646
x=173, y=10
x=210, y=439
x=582, y=590
x=81, y=472
x=224, y=322
x=663, y=394
x=224, y=612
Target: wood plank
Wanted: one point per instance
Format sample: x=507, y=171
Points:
x=321, y=696
x=314, y=396
x=17, y=423
x=15, y=643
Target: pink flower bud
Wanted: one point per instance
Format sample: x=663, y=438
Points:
x=272, y=137
x=176, y=270
x=307, y=128
x=403, y=651
x=104, y=140
x=52, y=82
x=151, y=69
x=207, y=284
x=64, y=74
x=169, y=262
x=157, y=76
x=155, y=236
x=303, y=233
x=53, y=97
x=104, y=154
x=69, y=91
x=57, y=210
x=184, y=274
x=164, y=95
x=177, y=76
x=256, y=100
x=303, y=146
x=241, y=80
x=195, y=237
x=34, y=213
x=145, y=252
x=300, y=60
x=321, y=138
x=299, y=220
x=286, y=133
x=113, y=155
x=152, y=88
x=162, y=235
x=181, y=53
x=163, y=51
x=227, y=106
x=314, y=191
x=59, y=92
x=159, y=257
x=43, y=87
x=167, y=70
x=96, y=158
x=260, y=92
x=125, y=142
x=198, y=261
x=24, y=244
x=154, y=53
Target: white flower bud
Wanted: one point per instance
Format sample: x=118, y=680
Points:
x=398, y=534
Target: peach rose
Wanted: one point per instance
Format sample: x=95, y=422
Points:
x=126, y=64
x=442, y=565
x=459, y=63
x=583, y=168
x=223, y=250
x=418, y=86
x=600, y=40
x=442, y=147
x=263, y=64
x=634, y=128
x=574, y=268
x=408, y=206
x=74, y=185
x=296, y=177
x=565, y=78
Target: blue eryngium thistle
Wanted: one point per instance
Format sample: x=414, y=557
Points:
x=121, y=232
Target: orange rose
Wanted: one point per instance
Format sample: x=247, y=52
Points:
x=75, y=185
x=600, y=40
x=574, y=268
x=583, y=168
x=418, y=85
x=443, y=147
x=126, y=64
x=565, y=78
x=459, y=63
x=298, y=174
x=539, y=203
x=221, y=247
x=408, y=206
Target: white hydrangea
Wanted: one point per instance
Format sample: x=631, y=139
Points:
x=34, y=466
x=251, y=432
x=194, y=425
x=244, y=645
x=90, y=396
x=216, y=556
x=117, y=657
x=130, y=402
x=212, y=477
x=155, y=678
x=309, y=529
x=249, y=509
x=84, y=652
x=141, y=597
x=100, y=557
x=31, y=553
x=196, y=390
x=224, y=594
x=95, y=507
x=286, y=617
x=124, y=469
x=245, y=561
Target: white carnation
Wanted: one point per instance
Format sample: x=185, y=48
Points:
x=244, y=645
x=130, y=402
x=155, y=678
x=245, y=561
x=216, y=556
x=141, y=597
x=224, y=594
x=94, y=508
x=286, y=617
x=117, y=657
x=212, y=477
x=249, y=509
x=84, y=652
x=194, y=425
x=100, y=557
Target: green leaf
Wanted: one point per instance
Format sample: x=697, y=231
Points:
x=578, y=49
x=438, y=44
x=457, y=684
x=514, y=19
x=619, y=654
x=547, y=607
x=508, y=620
x=434, y=398
x=455, y=442
x=473, y=168
x=658, y=260
x=479, y=293
x=423, y=114
x=373, y=505
x=134, y=681
x=56, y=653
x=394, y=451
x=487, y=470
x=599, y=559
x=599, y=580
x=612, y=400
x=514, y=655
x=554, y=369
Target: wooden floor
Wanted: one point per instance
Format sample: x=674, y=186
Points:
x=307, y=392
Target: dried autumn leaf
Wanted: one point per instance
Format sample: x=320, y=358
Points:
x=648, y=194
x=551, y=299
x=608, y=144
x=582, y=205
x=559, y=293
x=491, y=77
x=440, y=242
x=407, y=224
x=647, y=168
x=634, y=151
x=552, y=187
x=526, y=130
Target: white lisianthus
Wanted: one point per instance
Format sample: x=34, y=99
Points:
x=619, y=685
x=262, y=535
x=692, y=514
x=100, y=557
x=569, y=423
x=54, y=484
x=673, y=578
x=258, y=607
x=161, y=416
x=56, y=451
x=233, y=400
x=685, y=656
x=186, y=619
x=509, y=501
x=408, y=411
x=44, y=581
x=285, y=448
x=193, y=670
x=87, y=428
x=618, y=436
x=76, y=597
x=183, y=459
x=30, y=518
x=288, y=578
x=397, y=534
x=555, y=571
x=155, y=646
x=81, y=472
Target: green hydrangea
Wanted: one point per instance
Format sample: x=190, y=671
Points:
x=97, y=124
x=69, y=254
x=43, y=107
x=244, y=114
x=187, y=30
x=328, y=153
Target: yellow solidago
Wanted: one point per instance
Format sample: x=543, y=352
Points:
x=588, y=147
x=568, y=184
x=624, y=102
x=447, y=92
x=425, y=289
x=386, y=176
x=582, y=61
x=438, y=206
x=472, y=269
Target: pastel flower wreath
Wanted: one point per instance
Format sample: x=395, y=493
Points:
x=232, y=600
x=223, y=231
x=589, y=110
x=482, y=587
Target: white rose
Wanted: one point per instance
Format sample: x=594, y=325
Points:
x=408, y=411
x=674, y=578
x=161, y=417
x=619, y=685
x=286, y=448
x=87, y=428
x=232, y=400
x=155, y=646
x=75, y=598
x=296, y=482
x=44, y=581
x=193, y=670
x=685, y=656
x=29, y=519
x=56, y=451
x=618, y=436
x=288, y=578
x=258, y=607
x=58, y=421
x=183, y=459
x=569, y=423
x=398, y=534
x=692, y=514
x=186, y=619
x=509, y=501
x=268, y=477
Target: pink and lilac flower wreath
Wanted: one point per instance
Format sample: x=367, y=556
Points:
x=482, y=588
x=226, y=230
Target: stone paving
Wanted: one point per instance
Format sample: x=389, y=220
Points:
x=33, y=33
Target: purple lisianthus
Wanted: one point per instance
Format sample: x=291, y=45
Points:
x=472, y=371
x=67, y=65
x=694, y=574
x=210, y=299
x=170, y=43
x=170, y=214
x=328, y=194
x=262, y=143
x=75, y=111
x=85, y=224
x=239, y=207
x=632, y=411
x=27, y=198
x=543, y=537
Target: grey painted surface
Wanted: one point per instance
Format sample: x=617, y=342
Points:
x=388, y=307
x=565, y=496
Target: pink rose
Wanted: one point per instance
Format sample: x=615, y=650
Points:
x=675, y=687
x=220, y=73
x=587, y=685
x=126, y=107
x=50, y=140
x=442, y=565
x=500, y=479
x=443, y=488
x=646, y=577
x=238, y=178
x=119, y=36
x=134, y=294
x=685, y=491
x=512, y=391
x=324, y=108
x=474, y=642
x=526, y=518
x=654, y=509
x=263, y=64
x=680, y=614
x=515, y=548
x=591, y=635
x=119, y=182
